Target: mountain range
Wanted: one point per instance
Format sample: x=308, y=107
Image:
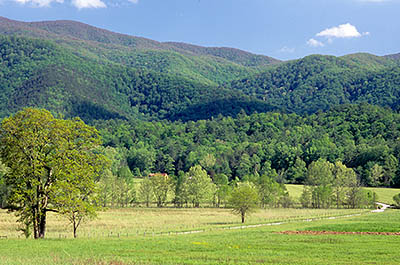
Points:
x=78, y=70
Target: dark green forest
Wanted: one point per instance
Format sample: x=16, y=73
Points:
x=361, y=136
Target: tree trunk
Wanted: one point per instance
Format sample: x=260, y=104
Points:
x=42, y=224
x=35, y=229
x=75, y=227
x=243, y=217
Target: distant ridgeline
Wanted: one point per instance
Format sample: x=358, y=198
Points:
x=166, y=106
x=79, y=70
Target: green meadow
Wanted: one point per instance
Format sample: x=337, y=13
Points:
x=218, y=238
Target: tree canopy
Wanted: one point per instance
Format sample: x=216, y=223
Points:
x=244, y=199
x=52, y=166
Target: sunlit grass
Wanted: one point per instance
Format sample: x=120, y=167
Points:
x=385, y=195
x=261, y=245
x=140, y=221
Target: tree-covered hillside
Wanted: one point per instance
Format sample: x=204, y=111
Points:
x=207, y=65
x=76, y=69
x=39, y=73
x=364, y=137
x=317, y=83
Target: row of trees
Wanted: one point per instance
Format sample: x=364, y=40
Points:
x=194, y=188
x=327, y=185
x=330, y=184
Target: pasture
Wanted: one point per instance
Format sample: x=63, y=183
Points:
x=214, y=243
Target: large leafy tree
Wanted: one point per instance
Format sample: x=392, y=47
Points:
x=53, y=165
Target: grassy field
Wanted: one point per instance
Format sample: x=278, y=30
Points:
x=139, y=221
x=257, y=245
x=385, y=195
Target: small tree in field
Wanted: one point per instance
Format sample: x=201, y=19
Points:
x=77, y=205
x=244, y=199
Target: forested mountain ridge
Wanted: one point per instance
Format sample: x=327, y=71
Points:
x=79, y=70
x=39, y=73
x=393, y=56
x=319, y=82
x=208, y=65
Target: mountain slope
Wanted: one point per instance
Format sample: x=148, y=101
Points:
x=394, y=56
x=189, y=61
x=40, y=73
x=76, y=69
x=316, y=83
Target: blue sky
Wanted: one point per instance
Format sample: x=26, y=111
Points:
x=284, y=29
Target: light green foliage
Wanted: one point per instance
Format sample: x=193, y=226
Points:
x=306, y=197
x=390, y=167
x=376, y=175
x=222, y=190
x=208, y=163
x=77, y=202
x=3, y=187
x=52, y=165
x=146, y=191
x=105, y=187
x=197, y=186
x=320, y=180
x=115, y=191
x=328, y=183
x=125, y=173
x=271, y=193
x=344, y=179
x=244, y=199
x=160, y=185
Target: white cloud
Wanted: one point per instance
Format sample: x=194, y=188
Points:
x=39, y=3
x=134, y=1
x=341, y=31
x=286, y=49
x=88, y=4
x=315, y=43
